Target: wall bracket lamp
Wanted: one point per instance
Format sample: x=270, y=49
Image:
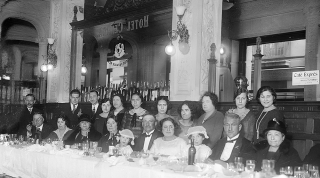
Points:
x=50, y=58
x=181, y=32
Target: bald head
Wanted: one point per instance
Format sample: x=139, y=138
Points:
x=148, y=123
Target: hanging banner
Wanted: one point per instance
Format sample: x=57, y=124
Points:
x=118, y=63
x=305, y=77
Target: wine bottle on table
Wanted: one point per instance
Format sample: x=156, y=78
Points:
x=191, y=153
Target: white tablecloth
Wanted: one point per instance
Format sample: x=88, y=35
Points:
x=26, y=164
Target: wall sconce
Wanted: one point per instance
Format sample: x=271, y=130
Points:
x=181, y=32
x=51, y=58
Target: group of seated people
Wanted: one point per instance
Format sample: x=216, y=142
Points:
x=237, y=133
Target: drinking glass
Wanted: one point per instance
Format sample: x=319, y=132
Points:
x=238, y=162
x=231, y=167
x=267, y=165
x=314, y=171
x=93, y=145
x=99, y=149
x=91, y=151
x=282, y=170
x=306, y=168
x=299, y=172
x=85, y=146
x=250, y=165
x=288, y=171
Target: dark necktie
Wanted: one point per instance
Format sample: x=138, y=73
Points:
x=148, y=135
x=94, y=110
x=133, y=120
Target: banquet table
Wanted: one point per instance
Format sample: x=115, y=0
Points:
x=18, y=162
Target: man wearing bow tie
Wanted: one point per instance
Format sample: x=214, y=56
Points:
x=234, y=145
x=145, y=140
x=38, y=126
x=26, y=115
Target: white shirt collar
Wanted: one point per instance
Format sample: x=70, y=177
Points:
x=150, y=132
x=40, y=127
x=233, y=138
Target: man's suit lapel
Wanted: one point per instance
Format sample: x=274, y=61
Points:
x=153, y=137
x=236, y=149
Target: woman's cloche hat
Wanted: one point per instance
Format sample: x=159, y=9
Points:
x=84, y=117
x=127, y=133
x=197, y=129
x=277, y=125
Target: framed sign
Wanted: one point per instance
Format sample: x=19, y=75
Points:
x=305, y=77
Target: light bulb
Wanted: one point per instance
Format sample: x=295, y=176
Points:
x=44, y=68
x=170, y=49
x=50, y=66
x=221, y=50
x=84, y=69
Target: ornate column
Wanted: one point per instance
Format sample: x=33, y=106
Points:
x=88, y=56
x=73, y=58
x=59, y=78
x=189, y=72
x=312, y=55
x=103, y=50
x=257, y=68
x=234, y=58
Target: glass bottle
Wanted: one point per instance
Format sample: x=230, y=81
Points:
x=191, y=153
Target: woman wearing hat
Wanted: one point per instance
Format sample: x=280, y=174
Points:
x=83, y=132
x=111, y=134
x=279, y=148
x=126, y=141
x=198, y=134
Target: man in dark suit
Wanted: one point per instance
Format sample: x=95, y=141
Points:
x=234, y=145
x=38, y=127
x=26, y=115
x=74, y=109
x=95, y=106
x=145, y=141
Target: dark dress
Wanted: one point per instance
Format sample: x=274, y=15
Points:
x=262, y=122
x=248, y=123
x=76, y=137
x=99, y=123
x=313, y=157
x=107, y=141
x=213, y=126
x=134, y=123
x=119, y=117
x=285, y=156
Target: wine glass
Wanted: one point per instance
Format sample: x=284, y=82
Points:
x=314, y=171
x=238, y=162
x=250, y=165
x=288, y=171
x=299, y=172
x=282, y=170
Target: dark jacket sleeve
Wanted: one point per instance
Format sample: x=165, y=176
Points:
x=313, y=157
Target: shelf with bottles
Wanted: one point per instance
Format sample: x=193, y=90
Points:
x=149, y=91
